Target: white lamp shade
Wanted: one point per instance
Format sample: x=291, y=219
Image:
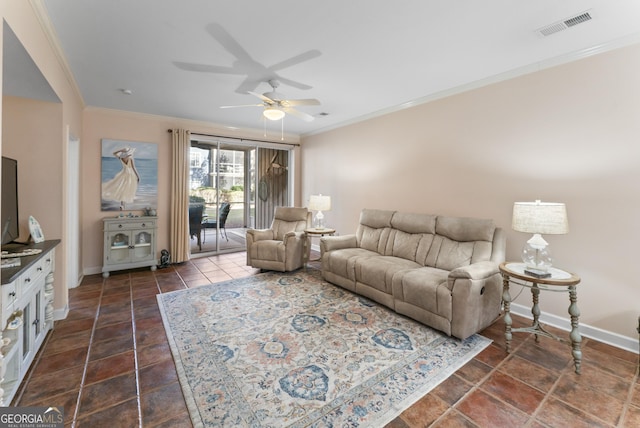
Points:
x=319, y=203
x=540, y=217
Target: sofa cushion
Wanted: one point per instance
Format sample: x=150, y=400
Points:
x=427, y=289
x=405, y=245
x=373, y=231
x=342, y=262
x=378, y=272
x=460, y=241
x=372, y=239
x=465, y=229
x=448, y=255
x=414, y=223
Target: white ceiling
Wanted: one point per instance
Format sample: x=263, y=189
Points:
x=358, y=57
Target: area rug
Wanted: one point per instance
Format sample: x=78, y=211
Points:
x=291, y=350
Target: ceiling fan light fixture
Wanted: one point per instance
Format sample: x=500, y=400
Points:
x=273, y=113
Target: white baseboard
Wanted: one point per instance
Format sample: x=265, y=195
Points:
x=60, y=314
x=563, y=323
x=92, y=270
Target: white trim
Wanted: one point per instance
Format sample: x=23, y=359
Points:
x=508, y=75
x=60, y=314
x=563, y=323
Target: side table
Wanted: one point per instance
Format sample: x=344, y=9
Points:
x=559, y=281
x=315, y=232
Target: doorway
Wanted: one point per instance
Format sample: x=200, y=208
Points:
x=233, y=186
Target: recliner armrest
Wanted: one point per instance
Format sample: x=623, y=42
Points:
x=480, y=270
x=330, y=243
x=260, y=234
x=295, y=235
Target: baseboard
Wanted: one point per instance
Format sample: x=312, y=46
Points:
x=614, y=339
x=60, y=314
x=92, y=271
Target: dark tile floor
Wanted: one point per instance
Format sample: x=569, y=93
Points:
x=109, y=365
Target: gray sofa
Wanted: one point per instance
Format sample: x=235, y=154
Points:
x=441, y=271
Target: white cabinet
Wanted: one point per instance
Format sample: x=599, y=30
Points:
x=27, y=315
x=129, y=242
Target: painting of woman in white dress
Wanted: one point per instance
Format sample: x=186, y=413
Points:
x=129, y=175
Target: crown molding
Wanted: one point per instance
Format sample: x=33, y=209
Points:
x=49, y=31
x=517, y=72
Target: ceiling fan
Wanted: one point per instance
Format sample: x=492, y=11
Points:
x=275, y=105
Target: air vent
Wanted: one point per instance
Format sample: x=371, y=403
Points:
x=566, y=23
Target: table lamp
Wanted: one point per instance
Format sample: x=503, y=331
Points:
x=539, y=218
x=319, y=203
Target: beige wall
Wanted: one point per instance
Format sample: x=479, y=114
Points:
x=120, y=125
x=567, y=134
x=45, y=148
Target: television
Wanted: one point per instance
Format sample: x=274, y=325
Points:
x=9, y=213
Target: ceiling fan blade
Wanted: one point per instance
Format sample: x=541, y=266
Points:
x=293, y=83
x=247, y=85
x=303, y=102
x=304, y=116
x=263, y=98
x=204, y=68
x=218, y=32
x=305, y=56
x=245, y=105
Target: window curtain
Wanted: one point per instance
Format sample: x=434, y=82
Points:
x=179, y=239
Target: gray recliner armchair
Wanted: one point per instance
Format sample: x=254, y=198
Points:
x=280, y=248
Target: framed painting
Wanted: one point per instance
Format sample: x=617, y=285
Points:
x=129, y=175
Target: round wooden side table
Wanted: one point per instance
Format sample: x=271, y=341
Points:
x=559, y=281
x=313, y=232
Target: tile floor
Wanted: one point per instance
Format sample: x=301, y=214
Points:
x=109, y=365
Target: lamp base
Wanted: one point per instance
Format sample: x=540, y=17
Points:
x=537, y=273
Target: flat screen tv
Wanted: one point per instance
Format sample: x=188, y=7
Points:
x=10, y=227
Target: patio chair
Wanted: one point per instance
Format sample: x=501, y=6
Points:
x=195, y=223
x=211, y=223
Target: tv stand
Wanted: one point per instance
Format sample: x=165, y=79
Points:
x=26, y=314
x=14, y=245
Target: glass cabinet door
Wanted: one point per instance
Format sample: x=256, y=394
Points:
x=141, y=246
x=119, y=246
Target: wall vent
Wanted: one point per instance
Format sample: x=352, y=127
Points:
x=566, y=23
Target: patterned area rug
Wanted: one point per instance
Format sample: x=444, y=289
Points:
x=291, y=350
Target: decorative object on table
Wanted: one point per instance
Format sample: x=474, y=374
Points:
x=319, y=203
x=129, y=175
x=10, y=262
x=165, y=259
x=15, y=320
x=36, y=232
x=293, y=350
x=539, y=218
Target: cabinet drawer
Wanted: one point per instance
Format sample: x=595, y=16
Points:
x=130, y=225
x=9, y=295
x=32, y=278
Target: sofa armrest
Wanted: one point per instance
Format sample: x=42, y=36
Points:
x=330, y=243
x=259, y=234
x=480, y=270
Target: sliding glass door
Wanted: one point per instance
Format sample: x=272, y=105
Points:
x=233, y=185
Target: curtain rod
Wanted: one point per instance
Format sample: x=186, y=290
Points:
x=241, y=139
